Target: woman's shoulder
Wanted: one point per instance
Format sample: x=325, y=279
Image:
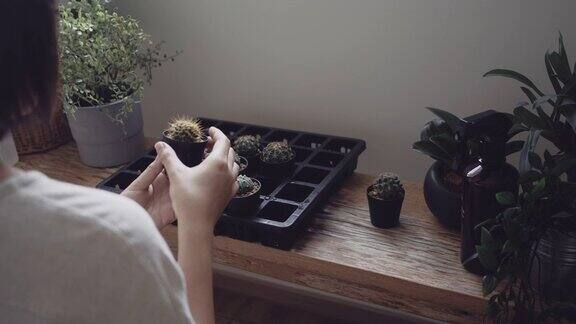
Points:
x=33, y=194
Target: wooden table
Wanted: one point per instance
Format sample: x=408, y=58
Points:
x=413, y=268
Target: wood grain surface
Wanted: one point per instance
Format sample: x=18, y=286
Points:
x=413, y=268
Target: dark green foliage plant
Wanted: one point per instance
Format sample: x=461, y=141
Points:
x=104, y=57
x=509, y=243
x=551, y=116
x=387, y=187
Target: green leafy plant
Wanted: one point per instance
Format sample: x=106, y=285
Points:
x=438, y=140
x=184, y=129
x=387, y=187
x=277, y=153
x=247, y=145
x=105, y=57
x=509, y=242
x=246, y=186
x=551, y=116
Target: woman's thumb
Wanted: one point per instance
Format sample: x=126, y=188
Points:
x=168, y=158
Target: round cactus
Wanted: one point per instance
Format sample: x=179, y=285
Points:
x=247, y=145
x=246, y=186
x=185, y=129
x=387, y=187
x=277, y=152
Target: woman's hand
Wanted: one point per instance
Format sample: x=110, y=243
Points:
x=151, y=191
x=200, y=194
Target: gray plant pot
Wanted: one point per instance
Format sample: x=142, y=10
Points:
x=103, y=142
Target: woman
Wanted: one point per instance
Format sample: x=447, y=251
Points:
x=70, y=254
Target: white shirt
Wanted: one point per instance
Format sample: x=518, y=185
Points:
x=70, y=254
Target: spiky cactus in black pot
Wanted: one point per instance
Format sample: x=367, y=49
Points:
x=249, y=147
x=188, y=139
x=385, y=198
x=247, y=197
x=277, y=159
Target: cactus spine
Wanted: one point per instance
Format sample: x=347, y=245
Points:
x=387, y=187
x=277, y=152
x=186, y=129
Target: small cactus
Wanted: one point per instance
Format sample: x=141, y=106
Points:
x=387, y=187
x=246, y=186
x=247, y=145
x=186, y=129
x=277, y=152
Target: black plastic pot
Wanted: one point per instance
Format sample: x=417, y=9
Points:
x=384, y=213
x=444, y=203
x=253, y=163
x=277, y=170
x=242, y=206
x=191, y=154
x=244, y=164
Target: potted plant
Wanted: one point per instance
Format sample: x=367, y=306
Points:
x=188, y=139
x=247, y=197
x=529, y=249
x=106, y=59
x=242, y=163
x=277, y=159
x=443, y=181
x=249, y=147
x=558, y=124
x=385, y=198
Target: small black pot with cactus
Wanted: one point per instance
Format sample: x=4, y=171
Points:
x=249, y=147
x=188, y=139
x=247, y=197
x=385, y=198
x=242, y=163
x=277, y=159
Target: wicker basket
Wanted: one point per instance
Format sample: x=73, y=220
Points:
x=35, y=135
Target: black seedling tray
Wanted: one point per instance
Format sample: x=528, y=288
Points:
x=286, y=205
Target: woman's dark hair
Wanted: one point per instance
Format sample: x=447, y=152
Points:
x=28, y=60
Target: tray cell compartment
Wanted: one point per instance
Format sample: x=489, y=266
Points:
x=277, y=211
x=122, y=180
x=302, y=154
x=341, y=146
x=311, y=175
x=230, y=129
x=311, y=141
x=281, y=136
x=295, y=192
x=140, y=165
x=326, y=159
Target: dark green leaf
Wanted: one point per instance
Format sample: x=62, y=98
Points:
x=531, y=96
x=551, y=74
x=561, y=69
x=517, y=129
x=535, y=160
x=452, y=120
x=544, y=117
x=488, y=284
x=568, y=110
x=531, y=141
x=563, y=165
x=508, y=247
x=528, y=118
x=516, y=76
x=538, y=187
x=485, y=237
x=432, y=150
x=445, y=143
x=513, y=147
x=487, y=257
x=529, y=177
x=505, y=198
x=562, y=52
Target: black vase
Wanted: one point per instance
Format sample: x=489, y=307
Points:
x=444, y=203
x=384, y=213
x=244, y=206
x=191, y=154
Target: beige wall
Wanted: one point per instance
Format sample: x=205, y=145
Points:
x=359, y=68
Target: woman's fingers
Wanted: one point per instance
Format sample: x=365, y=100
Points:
x=147, y=177
x=221, y=143
x=231, y=158
x=169, y=159
x=235, y=170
